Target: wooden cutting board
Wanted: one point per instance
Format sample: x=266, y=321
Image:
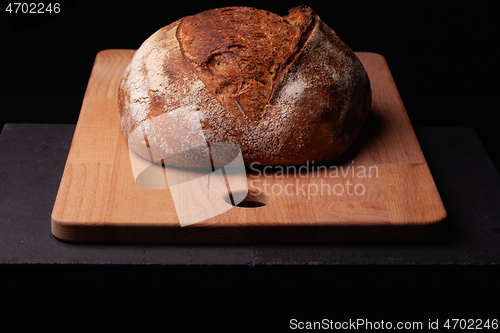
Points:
x=380, y=189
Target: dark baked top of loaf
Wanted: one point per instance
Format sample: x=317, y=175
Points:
x=241, y=53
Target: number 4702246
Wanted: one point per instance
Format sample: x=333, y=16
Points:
x=32, y=8
x=471, y=324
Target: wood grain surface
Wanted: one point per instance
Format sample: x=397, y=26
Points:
x=381, y=189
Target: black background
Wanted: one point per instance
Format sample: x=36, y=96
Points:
x=442, y=55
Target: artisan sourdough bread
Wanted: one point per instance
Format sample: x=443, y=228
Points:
x=284, y=90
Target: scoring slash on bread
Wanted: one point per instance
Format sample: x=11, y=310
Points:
x=285, y=90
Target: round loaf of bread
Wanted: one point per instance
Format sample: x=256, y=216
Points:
x=284, y=90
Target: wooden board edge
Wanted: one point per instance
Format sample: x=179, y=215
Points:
x=75, y=232
x=81, y=233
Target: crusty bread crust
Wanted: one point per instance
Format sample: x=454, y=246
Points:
x=237, y=52
x=294, y=95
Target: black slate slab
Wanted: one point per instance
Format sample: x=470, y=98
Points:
x=33, y=159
